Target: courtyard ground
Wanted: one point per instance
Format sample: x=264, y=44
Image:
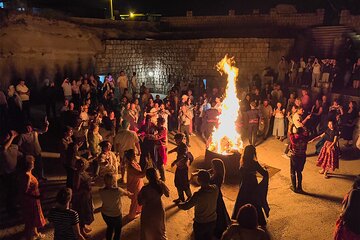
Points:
x=307, y=216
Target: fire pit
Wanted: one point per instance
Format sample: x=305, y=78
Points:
x=231, y=161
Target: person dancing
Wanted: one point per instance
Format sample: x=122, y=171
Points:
x=250, y=191
x=134, y=182
x=217, y=177
x=348, y=224
x=31, y=205
x=329, y=154
x=153, y=217
x=182, y=169
x=298, y=146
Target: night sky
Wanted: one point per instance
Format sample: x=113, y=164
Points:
x=199, y=7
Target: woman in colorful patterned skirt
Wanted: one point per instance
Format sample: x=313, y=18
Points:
x=328, y=158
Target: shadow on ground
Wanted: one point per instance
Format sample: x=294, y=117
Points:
x=349, y=177
x=350, y=154
x=200, y=163
x=324, y=197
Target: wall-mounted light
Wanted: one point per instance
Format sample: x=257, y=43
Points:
x=151, y=73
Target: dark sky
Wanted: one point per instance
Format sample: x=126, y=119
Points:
x=199, y=7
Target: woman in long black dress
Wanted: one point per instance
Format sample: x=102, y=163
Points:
x=348, y=122
x=250, y=190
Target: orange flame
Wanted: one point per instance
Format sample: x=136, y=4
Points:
x=225, y=138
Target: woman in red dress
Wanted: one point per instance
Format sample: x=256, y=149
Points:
x=328, y=158
x=32, y=211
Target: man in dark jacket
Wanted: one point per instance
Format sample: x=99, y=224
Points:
x=298, y=146
x=204, y=201
x=253, y=117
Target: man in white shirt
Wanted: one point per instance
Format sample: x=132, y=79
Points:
x=29, y=145
x=125, y=139
x=164, y=113
x=154, y=113
x=297, y=119
x=122, y=82
x=185, y=116
x=84, y=116
x=316, y=73
x=66, y=86
x=134, y=83
x=24, y=94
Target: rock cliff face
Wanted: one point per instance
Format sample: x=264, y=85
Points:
x=35, y=48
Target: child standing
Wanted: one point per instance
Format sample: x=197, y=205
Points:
x=181, y=173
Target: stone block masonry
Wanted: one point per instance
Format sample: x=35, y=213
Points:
x=274, y=18
x=172, y=60
x=352, y=21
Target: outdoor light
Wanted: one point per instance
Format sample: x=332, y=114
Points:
x=151, y=74
x=111, y=10
x=131, y=15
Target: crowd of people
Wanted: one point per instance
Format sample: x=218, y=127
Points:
x=117, y=132
x=314, y=72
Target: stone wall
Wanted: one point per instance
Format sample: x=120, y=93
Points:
x=171, y=60
x=274, y=18
x=352, y=21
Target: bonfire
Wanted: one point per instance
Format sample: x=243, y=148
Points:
x=225, y=139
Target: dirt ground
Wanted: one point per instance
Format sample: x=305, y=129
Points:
x=311, y=215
